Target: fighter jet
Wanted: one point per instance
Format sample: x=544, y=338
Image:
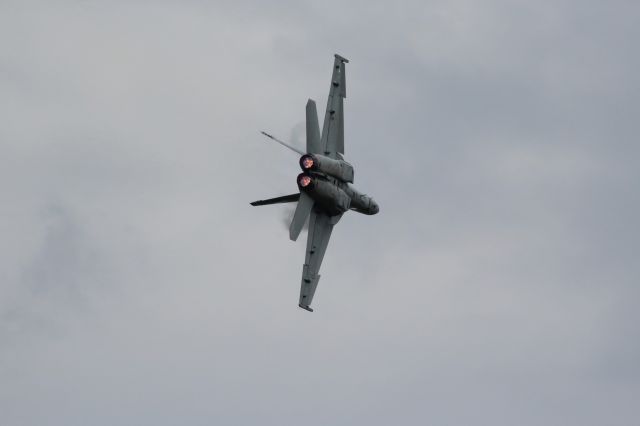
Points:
x=325, y=184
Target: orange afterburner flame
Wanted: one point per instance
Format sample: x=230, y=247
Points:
x=304, y=180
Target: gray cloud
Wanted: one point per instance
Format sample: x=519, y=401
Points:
x=495, y=287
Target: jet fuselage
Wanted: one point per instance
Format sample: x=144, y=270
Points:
x=327, y=181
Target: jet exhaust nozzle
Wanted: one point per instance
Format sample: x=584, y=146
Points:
x=333, y=199
x=319, y=163
x=305, y=181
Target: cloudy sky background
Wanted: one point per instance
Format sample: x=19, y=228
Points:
x=497, y=286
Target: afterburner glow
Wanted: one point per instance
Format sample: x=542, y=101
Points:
x=304, y=180
x=307, y=162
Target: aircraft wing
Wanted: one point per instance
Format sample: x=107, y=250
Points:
x=332, y=139
x=320, y=227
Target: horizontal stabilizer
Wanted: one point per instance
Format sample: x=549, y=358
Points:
x=284, y=199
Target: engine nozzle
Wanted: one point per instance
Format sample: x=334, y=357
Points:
x=307, y=162
x=337, y=168
x=304, y=180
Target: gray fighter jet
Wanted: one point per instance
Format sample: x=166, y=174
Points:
x=325, y=186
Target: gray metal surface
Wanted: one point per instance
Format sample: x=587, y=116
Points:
x=332, y=139
x=277, y=200
x=313, y=129
x=305, y=204
x=320, y=227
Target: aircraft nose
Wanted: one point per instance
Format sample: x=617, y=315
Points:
x=374, y=207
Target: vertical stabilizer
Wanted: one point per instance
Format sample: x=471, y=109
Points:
x=313, y=129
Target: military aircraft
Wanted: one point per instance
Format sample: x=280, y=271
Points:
x=325, y=190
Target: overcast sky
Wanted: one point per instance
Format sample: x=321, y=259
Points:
x=498, y=285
